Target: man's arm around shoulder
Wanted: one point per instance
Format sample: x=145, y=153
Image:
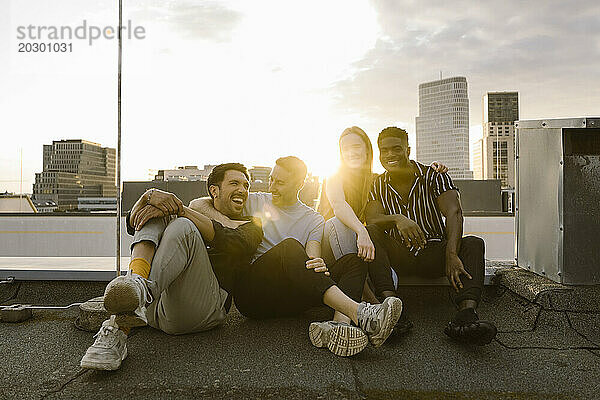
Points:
x=205, y=206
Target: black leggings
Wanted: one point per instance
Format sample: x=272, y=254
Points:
x=429, y=263
x=279, y=284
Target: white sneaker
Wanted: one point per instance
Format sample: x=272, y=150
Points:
x=378, y=320
x=127, y=296
x=340, y=338
x=109, y=349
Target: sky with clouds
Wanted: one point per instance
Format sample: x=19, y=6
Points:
x=217, y=81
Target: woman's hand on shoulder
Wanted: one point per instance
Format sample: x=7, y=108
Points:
x=439, y=167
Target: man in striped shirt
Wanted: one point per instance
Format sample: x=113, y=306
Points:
x=405, y=212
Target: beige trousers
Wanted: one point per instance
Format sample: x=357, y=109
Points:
x=187, y=295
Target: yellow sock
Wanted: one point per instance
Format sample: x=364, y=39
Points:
x=140, y=266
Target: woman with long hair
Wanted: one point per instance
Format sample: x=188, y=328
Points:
x=344, y=197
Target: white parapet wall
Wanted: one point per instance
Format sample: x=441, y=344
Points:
x=61, y=236
x=94, y=236
x=498, y=233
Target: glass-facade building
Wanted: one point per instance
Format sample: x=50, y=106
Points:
x=442, y=126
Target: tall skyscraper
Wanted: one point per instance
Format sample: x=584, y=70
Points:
x=494, y=153
x=443, y=125
x=73, y=169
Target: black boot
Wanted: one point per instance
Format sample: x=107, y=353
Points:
x=403, y=326
x=466, y=327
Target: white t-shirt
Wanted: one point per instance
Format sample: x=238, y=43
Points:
x=297, y=221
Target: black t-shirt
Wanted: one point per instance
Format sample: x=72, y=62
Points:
x=231, y=249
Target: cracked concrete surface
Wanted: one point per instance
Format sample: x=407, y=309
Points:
x=553, y=355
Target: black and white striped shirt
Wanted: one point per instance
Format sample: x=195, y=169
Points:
x=421, y=206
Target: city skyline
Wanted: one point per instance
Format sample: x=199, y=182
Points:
x=232, y=81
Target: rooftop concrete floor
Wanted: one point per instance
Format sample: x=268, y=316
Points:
x=545, y=350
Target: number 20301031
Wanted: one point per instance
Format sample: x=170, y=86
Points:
x=45, y=47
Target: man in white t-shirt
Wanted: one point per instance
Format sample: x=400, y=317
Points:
x=287, y=274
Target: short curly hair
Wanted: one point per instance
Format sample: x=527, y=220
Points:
x=216, y=176
x=392, y=131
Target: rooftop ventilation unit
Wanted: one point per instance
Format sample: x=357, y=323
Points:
x=558, y=198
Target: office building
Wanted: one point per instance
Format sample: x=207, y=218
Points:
x=45, y=206
x=185, y=173
x=97, y=204
x=477, y=151
x=73, y=169
x=259, y=178
x=443, y=125
x=494, y=153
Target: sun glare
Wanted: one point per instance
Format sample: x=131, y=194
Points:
x=262, y=93
x=324, y=166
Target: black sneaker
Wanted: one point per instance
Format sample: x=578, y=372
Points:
x=403, y=326
x=466, y=327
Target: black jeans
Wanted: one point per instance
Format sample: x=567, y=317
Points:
x=429, y=263
x=279, y=284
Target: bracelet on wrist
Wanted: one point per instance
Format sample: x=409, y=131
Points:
x=149, y=195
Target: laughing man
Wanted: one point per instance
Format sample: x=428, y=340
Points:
x=181, y=271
